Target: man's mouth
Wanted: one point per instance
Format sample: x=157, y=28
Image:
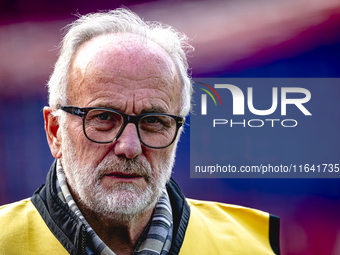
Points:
x=123, y=175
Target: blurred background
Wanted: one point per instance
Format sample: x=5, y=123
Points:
x=234, y=38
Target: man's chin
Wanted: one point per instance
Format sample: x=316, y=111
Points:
x=123, y=203
x=112, y=187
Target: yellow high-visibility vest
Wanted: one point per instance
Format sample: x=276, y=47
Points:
x=213, y=228
x=216, y=228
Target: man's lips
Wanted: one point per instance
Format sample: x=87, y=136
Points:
x=123, y=175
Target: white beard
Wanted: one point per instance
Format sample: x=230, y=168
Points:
x=122, y=201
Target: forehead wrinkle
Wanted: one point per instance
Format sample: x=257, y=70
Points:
x=152, y=107
x=106, y=77
x=83, y=83
x=138, y=96
x=126, y=83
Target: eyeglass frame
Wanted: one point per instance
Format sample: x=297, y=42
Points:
x=83, y=111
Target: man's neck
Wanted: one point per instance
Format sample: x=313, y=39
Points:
x=120, y=236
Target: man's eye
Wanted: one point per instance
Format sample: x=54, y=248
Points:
x=104, y=116
x=158, y=122
x=151, y=119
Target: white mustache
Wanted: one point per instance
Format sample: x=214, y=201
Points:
x=123, y=165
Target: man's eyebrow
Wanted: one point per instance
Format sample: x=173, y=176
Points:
x=154, y=109
x=108, y=106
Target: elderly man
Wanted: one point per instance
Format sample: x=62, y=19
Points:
x=118, y=97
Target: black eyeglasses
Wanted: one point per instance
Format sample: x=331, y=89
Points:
x=102, y=125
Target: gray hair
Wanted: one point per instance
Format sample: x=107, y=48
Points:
x=119, y=21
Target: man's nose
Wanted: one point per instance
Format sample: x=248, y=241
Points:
x=128, y=144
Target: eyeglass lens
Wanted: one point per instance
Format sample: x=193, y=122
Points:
x=154, y=130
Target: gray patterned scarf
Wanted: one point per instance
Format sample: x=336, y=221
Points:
x=156, y=238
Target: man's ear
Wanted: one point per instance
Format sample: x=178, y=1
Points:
x=52, y=132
